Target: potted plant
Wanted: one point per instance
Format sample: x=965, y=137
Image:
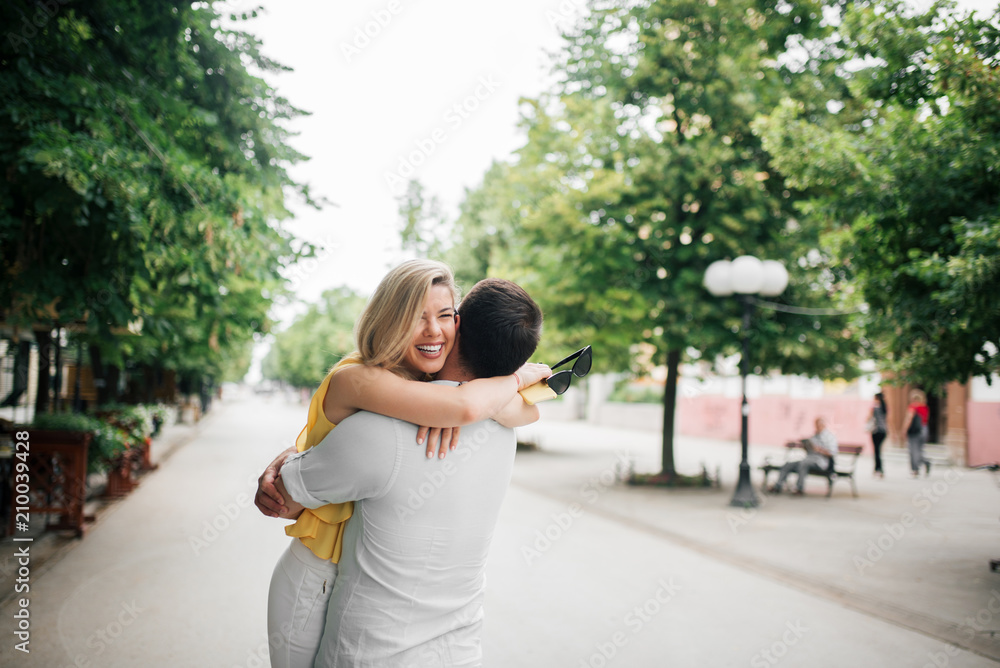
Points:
x=103, y=446
x=161, y=413
x=62, y=450
x=120, y=456
x=138, y=424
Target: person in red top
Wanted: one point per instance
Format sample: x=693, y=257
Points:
x=915, y=424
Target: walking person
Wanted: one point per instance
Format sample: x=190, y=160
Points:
x=917, y=415
x=877, y=422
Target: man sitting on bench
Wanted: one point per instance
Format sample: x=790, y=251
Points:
x=820, y=450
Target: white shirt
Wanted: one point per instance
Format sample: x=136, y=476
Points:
x=826, y=440
x=412, y=574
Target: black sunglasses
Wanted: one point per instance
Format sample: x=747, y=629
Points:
x=559, y=382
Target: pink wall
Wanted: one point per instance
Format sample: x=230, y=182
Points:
x=984, y=426
x=775, y=420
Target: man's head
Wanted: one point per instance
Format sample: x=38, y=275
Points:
x=499, y=328
x=820, y=424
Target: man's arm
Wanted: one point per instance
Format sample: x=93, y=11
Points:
x=356, y=460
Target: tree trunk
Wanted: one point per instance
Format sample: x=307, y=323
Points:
x=22, y=364
x=669, y=412
x=57, y=388
x=148, y=383
x=43, y=338
x=97, y=371
x=112, y=381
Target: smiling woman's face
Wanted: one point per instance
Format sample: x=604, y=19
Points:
x=434, y=335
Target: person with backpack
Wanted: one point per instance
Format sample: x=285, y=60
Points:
x=915, y=422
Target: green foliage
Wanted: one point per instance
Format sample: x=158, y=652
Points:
x=65, y=422
x=302, y=354
x=422, y=220
x=108, y=446
x=640, y=171
x=628, y=391
x=108, y=442
x=161, y=414
x=236, y=363
x=145, y=179
x=135, y=420
x=904, y=179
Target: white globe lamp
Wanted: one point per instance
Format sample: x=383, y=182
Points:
x=718, y=278
x=747, y=275
x=775, y=278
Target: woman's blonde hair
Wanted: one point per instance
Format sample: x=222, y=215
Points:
x=918, y=396
x=385, y=329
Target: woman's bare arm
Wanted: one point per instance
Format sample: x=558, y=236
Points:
x=379, y=391
x=517, y=413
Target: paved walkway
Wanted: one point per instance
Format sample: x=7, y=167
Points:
x=584, y=571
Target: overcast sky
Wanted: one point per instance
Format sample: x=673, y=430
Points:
x=430, y=86
x=397, y=85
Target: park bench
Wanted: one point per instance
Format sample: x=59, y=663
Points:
x=845, y=464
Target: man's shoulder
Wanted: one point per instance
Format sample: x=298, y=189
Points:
x=371, y=427
x=367, y=417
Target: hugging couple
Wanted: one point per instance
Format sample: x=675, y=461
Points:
x=372, y=578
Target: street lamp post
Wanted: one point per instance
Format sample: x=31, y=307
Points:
x=746, y=276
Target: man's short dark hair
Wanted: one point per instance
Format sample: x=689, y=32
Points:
x=499, y=328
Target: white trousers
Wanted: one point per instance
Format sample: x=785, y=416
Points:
x=296, y=606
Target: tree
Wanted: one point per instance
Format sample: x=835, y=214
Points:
x=904, y=178
x=302, y=354
x=421, y=219
x=641, y=170
x=145, y=179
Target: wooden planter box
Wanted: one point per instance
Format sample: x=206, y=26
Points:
x=146, y=463
x=121, y=472
x=57, y=461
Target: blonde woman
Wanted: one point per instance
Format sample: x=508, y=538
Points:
x=915, y=423
x=403, y=336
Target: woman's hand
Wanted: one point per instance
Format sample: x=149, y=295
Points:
x=531, y=373
x=268, y=499
x=439, y=440
x=292, y=507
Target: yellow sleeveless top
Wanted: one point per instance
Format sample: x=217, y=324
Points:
x=321, y=529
